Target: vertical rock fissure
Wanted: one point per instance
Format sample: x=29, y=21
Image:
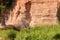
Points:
x=58, y=12
x=26, y=21
x=18, y=13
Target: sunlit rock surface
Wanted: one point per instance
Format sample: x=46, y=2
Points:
x=33, y=12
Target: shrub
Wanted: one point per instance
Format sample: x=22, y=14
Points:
x=8, y=34
x=56, y=37
x=38, y=33
x=2, y=7
x=35, y=33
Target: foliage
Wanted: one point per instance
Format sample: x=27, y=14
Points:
x=5, y=4
x=39, y=33
x=8, y=34
x=2, y=7
x=34, y=33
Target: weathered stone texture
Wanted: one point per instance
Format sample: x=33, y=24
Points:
x=44, y=12
x=39, y=12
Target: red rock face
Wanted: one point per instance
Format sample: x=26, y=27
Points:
x=44, y=12
x=33, y=12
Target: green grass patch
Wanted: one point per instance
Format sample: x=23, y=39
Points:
x=39, y=33
x=34, y=33
x=9, y=34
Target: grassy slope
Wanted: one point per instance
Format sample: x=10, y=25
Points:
x=35, y=33
x=39, y=33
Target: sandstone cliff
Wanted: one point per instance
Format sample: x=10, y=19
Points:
x=26, y=13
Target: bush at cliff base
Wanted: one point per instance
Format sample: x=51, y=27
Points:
x=34, y=33
x=39, y=33
x=9, y=34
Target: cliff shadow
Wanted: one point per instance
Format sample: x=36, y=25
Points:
x=58, y=12
x=27, y=20
x=4, y=14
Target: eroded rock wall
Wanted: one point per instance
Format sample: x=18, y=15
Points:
x=33, y=12
x=44, y=12
x=20, y=14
